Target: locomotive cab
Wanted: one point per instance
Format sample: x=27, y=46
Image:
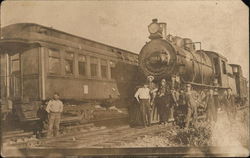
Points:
x=241, y=84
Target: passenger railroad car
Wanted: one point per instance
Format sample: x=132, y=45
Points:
x=37, y=61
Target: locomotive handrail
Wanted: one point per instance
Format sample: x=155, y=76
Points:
x=196, y=60
x=204, y=85
x=201, y=58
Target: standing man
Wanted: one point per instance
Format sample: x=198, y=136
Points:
x=216, y=99
x=175, y=95
x=163, y=100
x=181, y=110
x=142, y=95
x=54, y=109
x=7, y=108
x=230, y=105
x=153, y=89
x=191, y=105
x=211, y=106
x=43, y=118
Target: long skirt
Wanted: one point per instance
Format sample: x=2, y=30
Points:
x=211, y=113
x=134, y=114
x=163, y=109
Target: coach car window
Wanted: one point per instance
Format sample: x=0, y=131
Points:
x=69, y=56
x=54, y=62
x=112, y=69
x=93, y=66
x=82, y=65
x=104, y=68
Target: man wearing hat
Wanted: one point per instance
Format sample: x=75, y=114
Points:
x=142, y=95
x=210, y=106
x=153, y=89
x=175, y=95
x=163, y=101
x=216, y=99
x=229, y=103
x=191, y=105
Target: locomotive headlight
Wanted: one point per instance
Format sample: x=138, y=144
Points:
x=153, y=28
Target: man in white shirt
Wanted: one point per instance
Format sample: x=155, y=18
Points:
x=54, y=109
x=142, y=95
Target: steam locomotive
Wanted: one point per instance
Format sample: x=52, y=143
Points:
x=167, y=56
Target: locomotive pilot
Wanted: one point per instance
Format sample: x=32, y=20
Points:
x=142, y=95
x=54, y=109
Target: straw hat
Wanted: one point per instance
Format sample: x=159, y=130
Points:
x=151, y=77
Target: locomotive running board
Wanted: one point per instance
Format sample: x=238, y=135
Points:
x=204, y=85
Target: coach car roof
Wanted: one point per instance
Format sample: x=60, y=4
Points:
x=14, y=31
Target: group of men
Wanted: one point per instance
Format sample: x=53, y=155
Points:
x=168, y=98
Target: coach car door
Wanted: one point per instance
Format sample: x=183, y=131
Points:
x=15, y=76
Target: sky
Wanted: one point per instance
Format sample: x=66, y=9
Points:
x=220, y=25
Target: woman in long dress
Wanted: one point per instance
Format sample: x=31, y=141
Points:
x=134, y=112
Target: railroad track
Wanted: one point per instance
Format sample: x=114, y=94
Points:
x=95, y=137
x=86, y=135
x=22, y=138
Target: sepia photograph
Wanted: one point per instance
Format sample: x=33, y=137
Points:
x=118, y=78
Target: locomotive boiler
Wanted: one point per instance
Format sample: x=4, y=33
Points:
x=165, y=56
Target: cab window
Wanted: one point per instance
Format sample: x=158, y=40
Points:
x=224, y=67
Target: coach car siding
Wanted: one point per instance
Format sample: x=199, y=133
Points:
x=73, y=86
x=3, y=74
x=30, y=74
